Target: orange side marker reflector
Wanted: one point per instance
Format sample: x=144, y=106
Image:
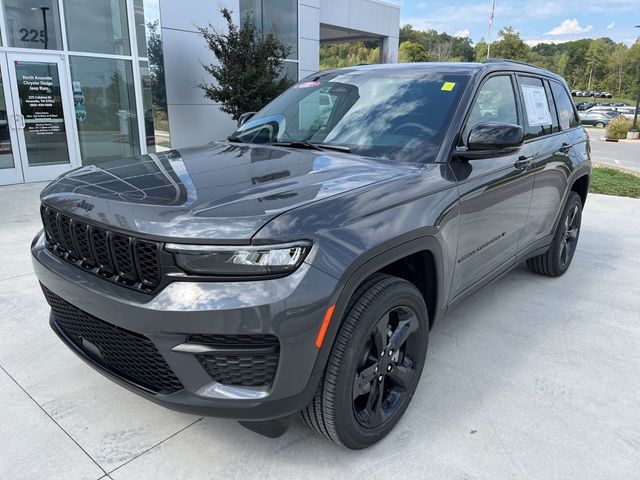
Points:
x=324, y=326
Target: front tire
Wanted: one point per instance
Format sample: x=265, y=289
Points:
x=555, y=261
x=374, y=366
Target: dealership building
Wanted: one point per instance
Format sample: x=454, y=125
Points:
x=88, y=81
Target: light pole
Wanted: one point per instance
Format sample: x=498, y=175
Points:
x=634, y=127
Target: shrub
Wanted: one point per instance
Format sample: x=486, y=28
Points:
x=618, y=127
x=248, y=72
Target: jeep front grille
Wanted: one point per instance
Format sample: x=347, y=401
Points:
x=123, y=259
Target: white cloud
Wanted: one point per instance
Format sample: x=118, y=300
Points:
x=569, y=26
x=611, y=25
x=462, y=33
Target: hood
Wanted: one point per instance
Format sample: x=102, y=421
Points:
x=222, y=192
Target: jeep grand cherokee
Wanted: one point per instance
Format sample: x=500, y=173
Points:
x=298, y=265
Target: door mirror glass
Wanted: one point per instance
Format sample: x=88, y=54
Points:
x=495, y=136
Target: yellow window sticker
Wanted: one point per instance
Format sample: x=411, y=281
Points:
x=448, y=86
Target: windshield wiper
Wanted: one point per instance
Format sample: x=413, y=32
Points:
x=312, y=146
x=330, y=146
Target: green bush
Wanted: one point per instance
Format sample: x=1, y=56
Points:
x=618, y=127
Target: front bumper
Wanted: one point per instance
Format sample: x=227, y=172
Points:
x=290, y=308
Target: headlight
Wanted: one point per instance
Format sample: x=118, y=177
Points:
x=240, y=260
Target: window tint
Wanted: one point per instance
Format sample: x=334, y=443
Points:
x=537, y=109
x=495, y=102
x=566, y=110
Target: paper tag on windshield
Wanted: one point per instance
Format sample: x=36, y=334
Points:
x=535, y=101
x=448, y=86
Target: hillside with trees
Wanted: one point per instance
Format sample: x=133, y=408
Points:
x=586, y=64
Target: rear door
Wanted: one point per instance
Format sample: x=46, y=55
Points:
x=495, y=193
x=557, y=150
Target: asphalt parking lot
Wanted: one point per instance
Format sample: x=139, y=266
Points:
x=624, y=155
x=532, y=378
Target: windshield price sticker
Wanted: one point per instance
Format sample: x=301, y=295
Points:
x=535, y=100
x=448, y=86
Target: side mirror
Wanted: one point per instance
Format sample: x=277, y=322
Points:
x=491, y=139
x=242, y=119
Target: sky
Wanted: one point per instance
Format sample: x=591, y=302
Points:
x=536, y=20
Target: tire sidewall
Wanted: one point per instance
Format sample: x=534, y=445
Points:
x=351, y=432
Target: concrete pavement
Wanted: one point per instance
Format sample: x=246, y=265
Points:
x=532, y=378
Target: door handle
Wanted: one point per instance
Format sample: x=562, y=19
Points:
x=523, y=163
x=22, y=122
x=565, y=148
x=12, y=122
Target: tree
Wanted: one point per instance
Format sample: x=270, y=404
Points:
x=480, y=51
x=156, y=67
x=248, y=73
x=412, y=52
x=510, y=45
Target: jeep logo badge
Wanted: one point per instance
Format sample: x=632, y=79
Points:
x=86, y=206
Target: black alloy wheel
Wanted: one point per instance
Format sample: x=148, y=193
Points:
x=569, y=240
x=375, y=363
x=556, y=260
x=387, y=367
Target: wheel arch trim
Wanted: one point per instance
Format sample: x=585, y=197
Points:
x=363, y=268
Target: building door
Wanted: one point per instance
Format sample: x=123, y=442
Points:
x=39, y=118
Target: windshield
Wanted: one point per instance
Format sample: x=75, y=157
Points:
x=397, y=114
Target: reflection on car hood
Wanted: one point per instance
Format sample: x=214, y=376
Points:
x=221, y=192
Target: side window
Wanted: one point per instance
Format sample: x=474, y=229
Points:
x=537, y=113
x=496, y=102
x=555, y=126
x=566, y=110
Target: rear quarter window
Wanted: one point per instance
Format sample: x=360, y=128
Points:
x=566, y=110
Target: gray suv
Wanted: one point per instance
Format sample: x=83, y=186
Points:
x=299, y=265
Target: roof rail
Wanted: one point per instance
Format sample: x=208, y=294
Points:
x=498, y=60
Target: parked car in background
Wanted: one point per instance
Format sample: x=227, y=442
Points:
x=584, y=105
x=606, y=95
x=596, y=119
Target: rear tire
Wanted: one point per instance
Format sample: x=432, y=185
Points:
x=374, y=365
x=599, y=125
x=555, y=261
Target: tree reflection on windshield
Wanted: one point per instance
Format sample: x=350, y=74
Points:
x=395, y=113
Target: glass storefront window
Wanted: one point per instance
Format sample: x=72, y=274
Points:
x=278, y=16
x=107, y=120
x=147, y=18
x=290, y=70
x=156, y=120
x=40, y=97
x=33, y=24
x=6, y=151
x=97, y=27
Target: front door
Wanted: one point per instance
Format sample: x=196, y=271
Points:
x=495, y=194
x=38, y=114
